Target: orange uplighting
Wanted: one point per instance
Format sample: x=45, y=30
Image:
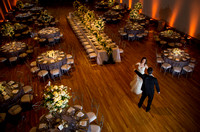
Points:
x=130, y=4
x=175, y=11
x=121, y=1
x=193, y=18
x=9, y=4
x=2, y=14
x=155, y=4
x=5, y=6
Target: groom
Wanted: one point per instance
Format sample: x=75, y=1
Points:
x=148, y=87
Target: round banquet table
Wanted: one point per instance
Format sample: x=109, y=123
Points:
x=36, y=9
x=28, y=5
x=170, y=39
x=13, y=49
x=111, y=14
x=102, y=4
x=130, y=30
x=44, y=62
x=13, y=91
x=49, y=32
x=72, y=119
x=23, y=16
x=175, y=61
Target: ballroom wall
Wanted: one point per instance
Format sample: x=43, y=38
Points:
x=181, y=14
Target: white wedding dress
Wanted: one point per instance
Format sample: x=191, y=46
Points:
x=136, y=83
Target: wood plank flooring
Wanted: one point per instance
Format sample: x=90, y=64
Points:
x=175, y=109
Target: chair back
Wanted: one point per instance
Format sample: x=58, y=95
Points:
x=95, y=105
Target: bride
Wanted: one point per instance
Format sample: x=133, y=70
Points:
x=136, y=83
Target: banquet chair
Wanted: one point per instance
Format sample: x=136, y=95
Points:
x=77, y=97
x=70, y=61
x=2, y=61
x=176, y=70
x=192, y=65
x=90, y=51
x=91, y=115
x=26, y=101
x=55, y=73
x=22, y=57
x=42, y=74
x=139, y=36
x=65, y=68
x=33, y=129
x=33, y=64
x=97, y=127
x=13, y=60
x=92, y=56
x=14, y=114
x=51, y=41
x=159, y=60
x=131, y=37
x=165, y=66
x=57, y=39
x=122, y=46
x=188, y=70
x=123, y=35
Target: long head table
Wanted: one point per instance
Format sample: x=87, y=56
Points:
x=102, y=55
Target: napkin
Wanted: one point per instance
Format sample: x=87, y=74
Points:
x=70, y=110
x=42, y=125
x=59, y=58
x=83, y=123
x=52, y=61
x=11, y=82
x=44, y=62
x=49, y=116
x=15, y=85
x=6, y=97
x=15, y=91
x=80, y=114
x=60, y=127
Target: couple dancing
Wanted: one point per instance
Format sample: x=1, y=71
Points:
x=144, y=83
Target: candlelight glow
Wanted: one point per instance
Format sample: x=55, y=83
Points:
x=121, y=1
x=130, y=4
x=5, y=6
x=155, y=4
x=175, y=12
x=193, y=18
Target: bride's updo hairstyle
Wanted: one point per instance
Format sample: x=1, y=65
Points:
x=143, y=59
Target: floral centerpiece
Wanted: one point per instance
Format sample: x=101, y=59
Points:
x=51, y=54
x=17, y=26
x=76, y=4
x=56, y=97
x=111, y=3
x=45, y=17
x=7, y=30
x=135, y=13
x=138, y=6
x=176, y=51
x=19, y=4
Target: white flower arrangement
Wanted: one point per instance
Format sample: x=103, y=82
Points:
x=134, y=14
x=45, y=17
x=56, y=97
x=176, y=51
x=51, y=54
x=138, y=6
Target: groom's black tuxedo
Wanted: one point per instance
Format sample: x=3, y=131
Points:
x=148, y=88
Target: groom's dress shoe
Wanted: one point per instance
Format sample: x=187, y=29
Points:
x=147, y=109
x=139, y=105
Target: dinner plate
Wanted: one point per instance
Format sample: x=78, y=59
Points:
x=11, y=82
x=44, y=62
x=59, y=59
x=52, y=61
x=15, y=91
